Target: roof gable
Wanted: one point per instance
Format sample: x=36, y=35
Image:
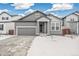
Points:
x=32, y=17
x=8, y=14
x=53, y=16
x=75, y=13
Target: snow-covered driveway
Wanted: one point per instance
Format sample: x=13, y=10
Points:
x=55, y=46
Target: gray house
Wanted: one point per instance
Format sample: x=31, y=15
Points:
x=38, y=23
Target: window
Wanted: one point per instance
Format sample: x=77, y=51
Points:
x=5, y=18
x=72, y=19
x=1, y=26
x=56, y=26
x=53, y=26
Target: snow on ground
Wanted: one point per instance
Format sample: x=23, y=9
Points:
x=2, y=37
x=55, y=46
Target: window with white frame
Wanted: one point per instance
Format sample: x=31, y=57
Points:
x=5, y=18
x=56, y=26
x=53, y=26
x=1, y=26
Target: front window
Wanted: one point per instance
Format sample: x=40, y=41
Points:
x=1, y=26
x=53, y=26
x=56, y=26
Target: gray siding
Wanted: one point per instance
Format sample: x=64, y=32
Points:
x=25, y=23
x=73, y=27
x=32, y=17
x=56, y=32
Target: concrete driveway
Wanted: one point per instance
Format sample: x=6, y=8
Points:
x=15, y=46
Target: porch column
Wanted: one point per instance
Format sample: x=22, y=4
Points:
x=45, y=27
x=37, y=28
x=48, y=28
x=77, y=28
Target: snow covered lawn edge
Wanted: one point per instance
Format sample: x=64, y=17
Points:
x=2, y=37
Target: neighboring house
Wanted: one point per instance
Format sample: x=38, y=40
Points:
x=38, y=23
x=71, y=21
x=5, y=22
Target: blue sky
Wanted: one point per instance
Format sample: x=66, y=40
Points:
x=59, y=9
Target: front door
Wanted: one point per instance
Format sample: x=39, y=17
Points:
x=43, y=27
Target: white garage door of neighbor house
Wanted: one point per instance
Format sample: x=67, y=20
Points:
x=26, y=31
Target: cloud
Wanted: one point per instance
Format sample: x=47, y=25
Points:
x=21, y=14
x=63, y=6
x=29, y=11
x=60, y=6
x=22, y=5
x=4, y=10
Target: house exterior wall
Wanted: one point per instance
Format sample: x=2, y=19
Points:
x=7, y=24
x=71, y=22
x=54, y=20
x=68, y=19
x=7, y=27
x=5, y=15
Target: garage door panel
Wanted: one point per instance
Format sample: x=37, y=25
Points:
x=26, y=31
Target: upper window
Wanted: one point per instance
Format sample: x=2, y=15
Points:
x=1, y=26
x=72, y=19
x=5, y=18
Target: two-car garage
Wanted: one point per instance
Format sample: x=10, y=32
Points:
x=25, y=31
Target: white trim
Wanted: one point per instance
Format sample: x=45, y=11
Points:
x=37, y=29
x=23, y=27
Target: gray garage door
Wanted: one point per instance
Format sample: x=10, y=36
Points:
x=26, y=31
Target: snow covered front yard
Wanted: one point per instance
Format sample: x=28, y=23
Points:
x=2, y=37
x=55, y=46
